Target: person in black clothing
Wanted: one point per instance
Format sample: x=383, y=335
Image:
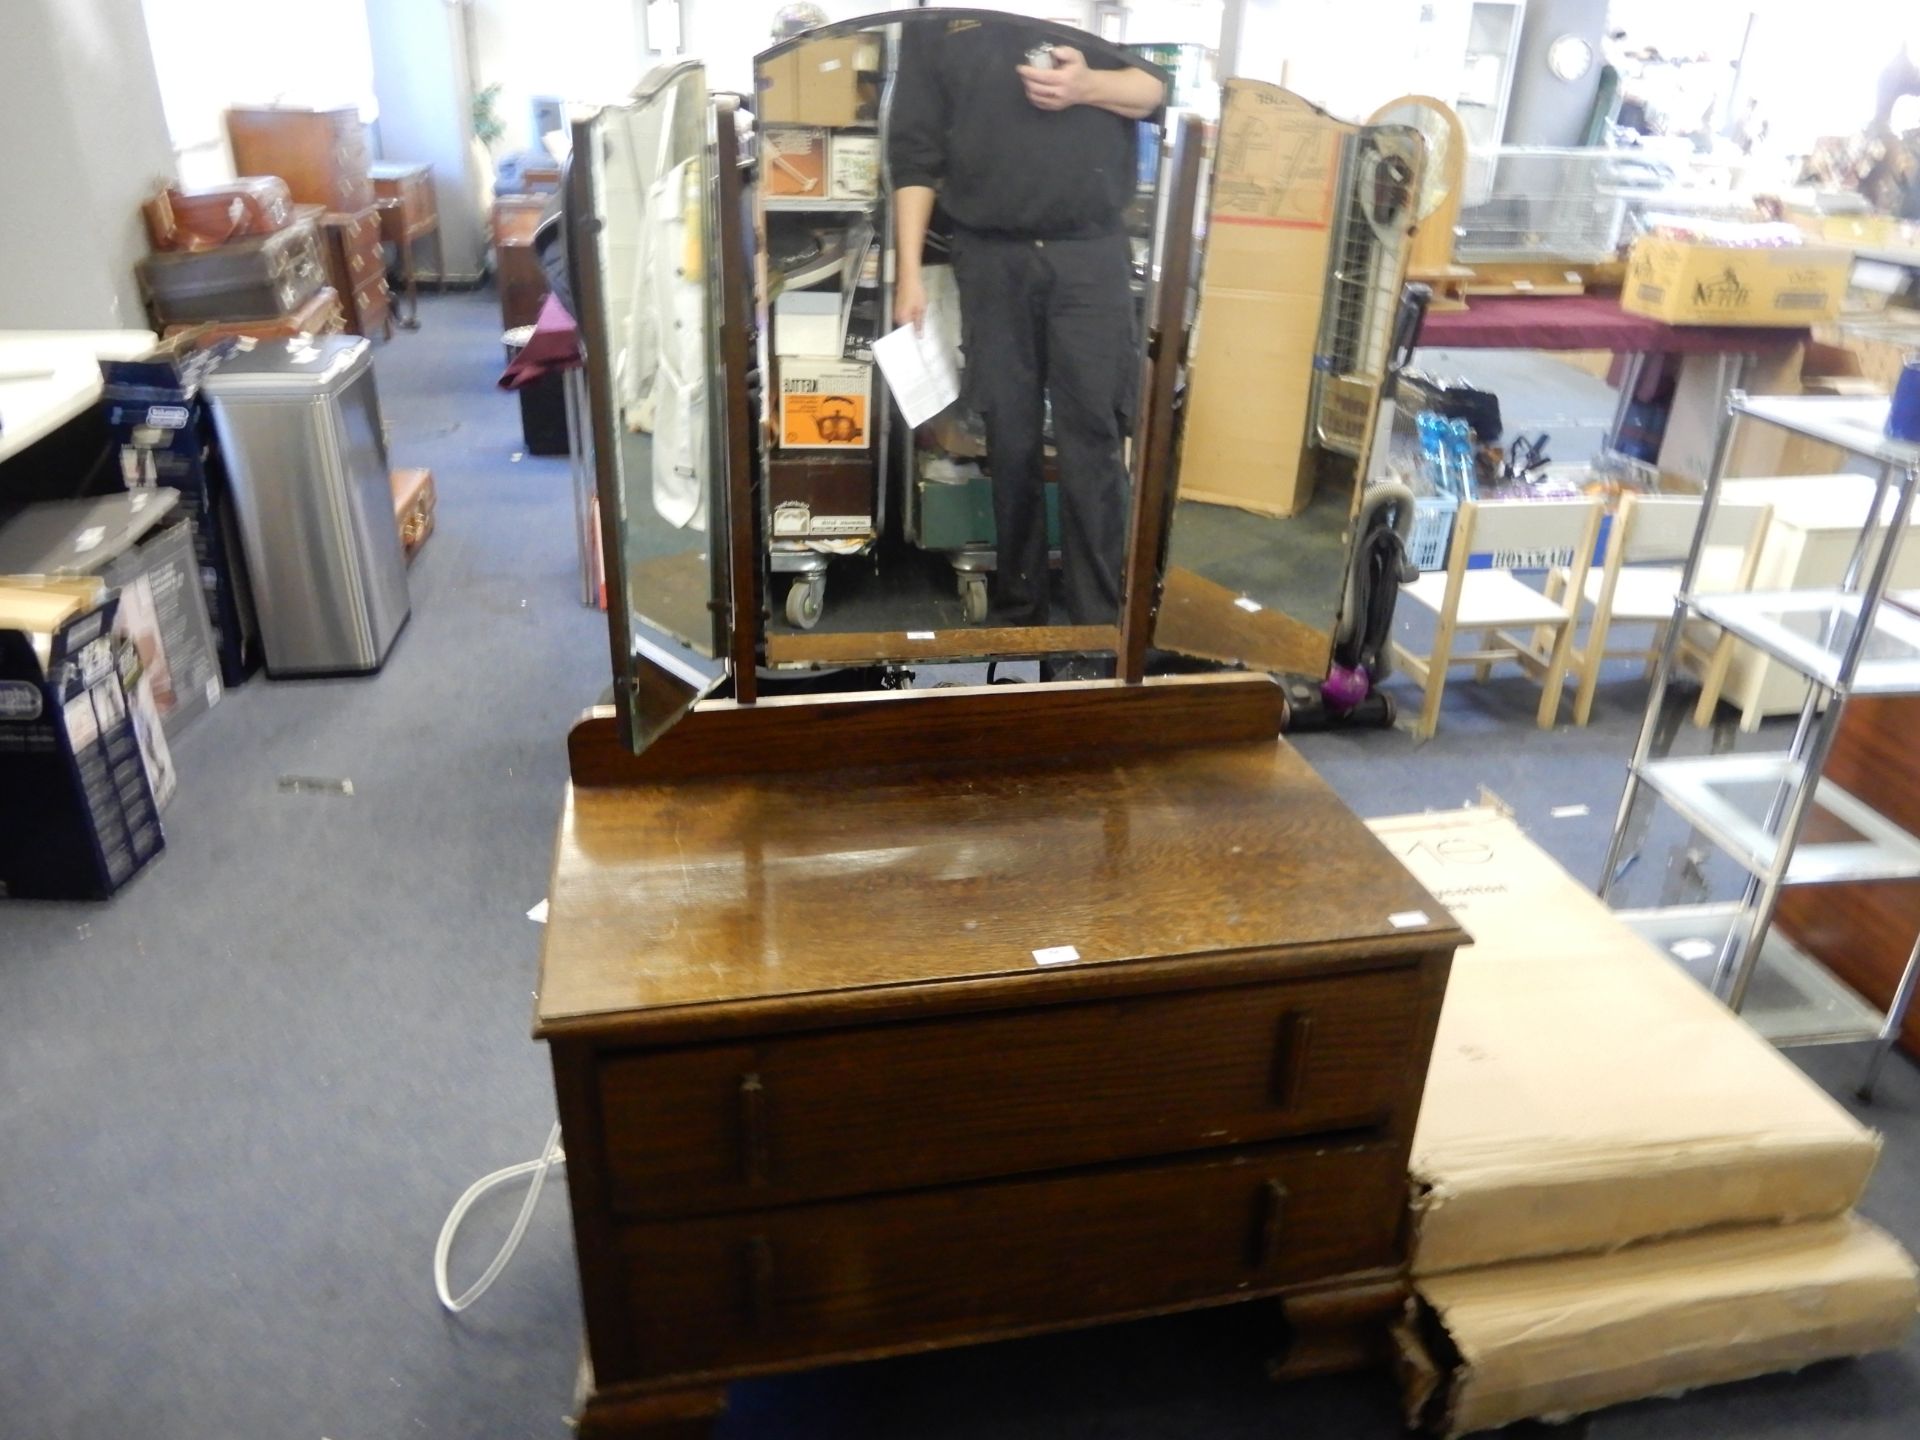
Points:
x=1032, y=152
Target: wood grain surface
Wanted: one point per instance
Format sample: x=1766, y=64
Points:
x=1864, y=933
x=860, y=1276
x=744, y=889
x=703, y=1128
x=977, y=725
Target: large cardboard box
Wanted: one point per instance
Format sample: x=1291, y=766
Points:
x=824, y=404
x=1556, y=1338
x=1269, y=228
x=1685, y=282
x=1585, y=1093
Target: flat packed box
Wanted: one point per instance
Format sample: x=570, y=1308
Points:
x=1686, y=282
x=853, y=166
x=807, y=323
x=824, y=404
x=78, y=816
x=1270, y=230
x=1584, y=1092
x=1551, y=1339
x=793, y=159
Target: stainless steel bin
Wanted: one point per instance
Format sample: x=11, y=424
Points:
x=299, y=424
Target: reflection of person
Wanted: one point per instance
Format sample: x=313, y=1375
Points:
x=1032, y=151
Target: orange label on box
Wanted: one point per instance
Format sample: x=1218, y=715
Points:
x=815, y=421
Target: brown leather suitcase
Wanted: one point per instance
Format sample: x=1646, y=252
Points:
x=322, y=315
x=412, y=507
x=251, y=206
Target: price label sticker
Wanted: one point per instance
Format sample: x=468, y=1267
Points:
x=1408, y=919
x=1056, y=955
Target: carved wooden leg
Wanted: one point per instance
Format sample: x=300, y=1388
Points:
x=669, y=1415
x=1338, y=1330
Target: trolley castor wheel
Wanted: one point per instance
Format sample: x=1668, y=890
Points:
x=806, y=597
x=973, y=597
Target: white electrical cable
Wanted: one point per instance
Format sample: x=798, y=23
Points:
x=550, y=1155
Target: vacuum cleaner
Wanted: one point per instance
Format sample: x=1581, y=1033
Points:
x=1349, y=695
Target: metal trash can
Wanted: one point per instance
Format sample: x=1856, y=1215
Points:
x=299, y=424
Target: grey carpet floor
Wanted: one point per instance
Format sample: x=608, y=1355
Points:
x=237, y=1101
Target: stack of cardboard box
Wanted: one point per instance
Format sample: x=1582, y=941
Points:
x=1618, y=1189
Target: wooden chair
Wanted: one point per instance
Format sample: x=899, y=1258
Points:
x=1647, y=546
x=1516, y=534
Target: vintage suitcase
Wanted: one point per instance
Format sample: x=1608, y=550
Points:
x=321, y=315
x=249, y=207
x=413, y=500
x=247, y=280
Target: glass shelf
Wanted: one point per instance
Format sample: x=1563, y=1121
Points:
x=1727, y=796
x=1792, y=998
x=1856, y=423
x=1807, y=630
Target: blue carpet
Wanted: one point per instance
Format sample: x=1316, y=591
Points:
x=237, y=1101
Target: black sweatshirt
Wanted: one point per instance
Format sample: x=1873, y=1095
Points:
x=961, y=124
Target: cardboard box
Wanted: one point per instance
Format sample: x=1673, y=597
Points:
x=1584, y=1092
x=1687, y=283
x=1269, y=230
x=77, y=811
x=807, y=323
x=793, y=161
x=821, y=496
x=854, y=166
x=824, y=404
x=819, y=82
x=1557, y=1338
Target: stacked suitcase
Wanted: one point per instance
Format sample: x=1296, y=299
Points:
x=241, y=258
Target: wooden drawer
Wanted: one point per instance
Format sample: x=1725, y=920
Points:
x=849, y=1112
x=372, y=303
x=418, y=210
x=717, y=1294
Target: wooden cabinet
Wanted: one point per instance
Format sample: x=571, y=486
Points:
x=854, y=1064
x=356, y=267
x=523, y=284
x=321, y=154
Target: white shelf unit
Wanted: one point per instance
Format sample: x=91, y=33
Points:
x=1755, y=808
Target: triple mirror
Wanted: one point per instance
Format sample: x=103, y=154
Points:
x=978, y=202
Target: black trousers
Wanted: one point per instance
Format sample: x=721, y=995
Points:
x=1053, y=319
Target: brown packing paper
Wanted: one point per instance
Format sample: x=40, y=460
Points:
x=1555, y=1338
x=1584, y=1093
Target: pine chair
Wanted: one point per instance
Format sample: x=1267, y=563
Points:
x=1647, y=546
x=1515, y=535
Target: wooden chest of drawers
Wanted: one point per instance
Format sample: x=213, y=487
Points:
x=321, y=154
x=850, y=1067
x=356, y=267
x=417, y=212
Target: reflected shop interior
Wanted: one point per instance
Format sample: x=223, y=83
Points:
x=976, y=494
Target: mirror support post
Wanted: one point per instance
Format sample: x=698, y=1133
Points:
x=743, y=513
x=1154, y=445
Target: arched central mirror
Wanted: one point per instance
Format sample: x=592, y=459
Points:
x=982, y=188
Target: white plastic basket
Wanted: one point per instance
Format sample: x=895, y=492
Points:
x=1432, y=529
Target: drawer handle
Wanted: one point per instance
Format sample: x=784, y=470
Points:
x=759, y=1282
x=1273, y=1219
x=1293, y=1037
x=753, y=1129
